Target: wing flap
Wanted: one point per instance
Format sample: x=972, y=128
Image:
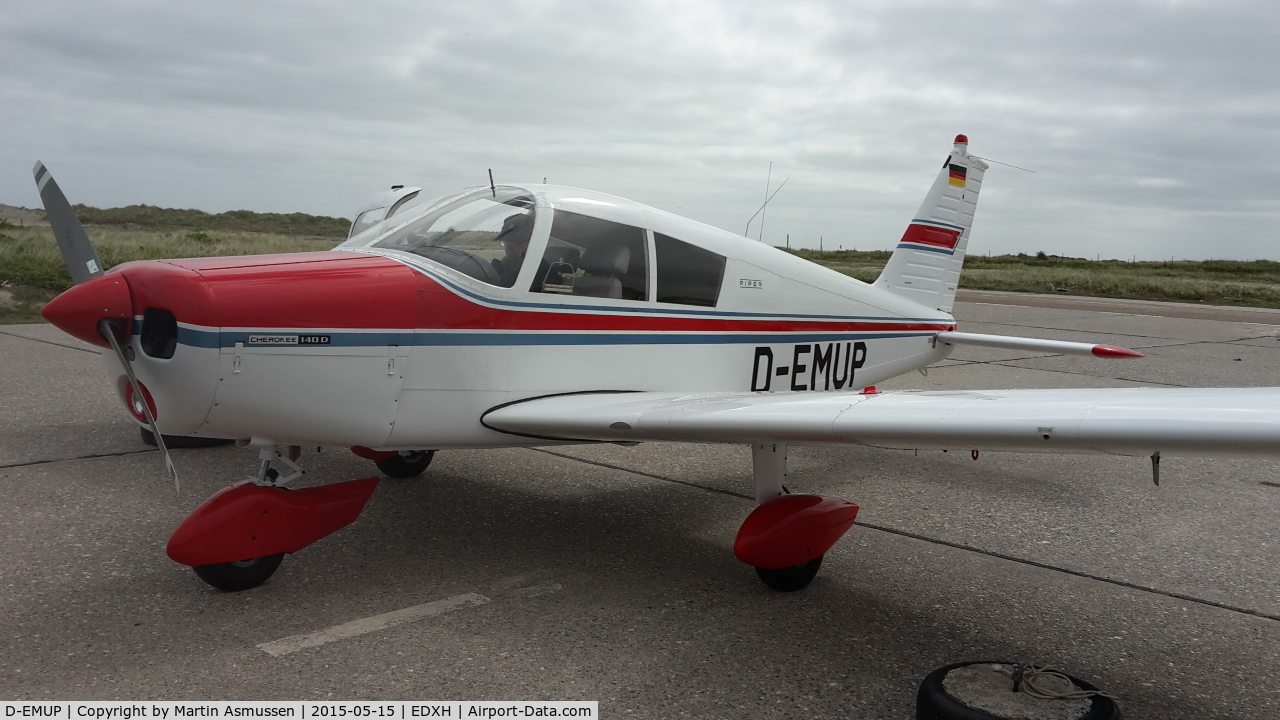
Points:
x=1225, y=422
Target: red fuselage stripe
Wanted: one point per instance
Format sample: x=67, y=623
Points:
x=349, y=291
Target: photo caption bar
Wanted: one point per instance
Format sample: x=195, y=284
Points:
x=299, y=709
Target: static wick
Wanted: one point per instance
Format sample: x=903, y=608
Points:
x=1155, y=468
x=492, y=187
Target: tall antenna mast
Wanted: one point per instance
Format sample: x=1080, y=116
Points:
x=767, y=180
x=746, y=231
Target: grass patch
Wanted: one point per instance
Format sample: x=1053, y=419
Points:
x=29, y=256
x=21, y=304
x=32, y=271
x=1253, y=283
x=150, y=216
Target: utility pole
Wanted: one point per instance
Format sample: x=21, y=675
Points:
x=819, y=243
x=788, y=241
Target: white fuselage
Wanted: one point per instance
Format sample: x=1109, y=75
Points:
x=383, y=348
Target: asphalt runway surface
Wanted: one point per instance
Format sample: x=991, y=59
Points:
x=607, y=573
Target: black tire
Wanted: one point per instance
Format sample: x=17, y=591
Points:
x=790, y=579
x=241, y=575
x=406, y=465
x=182, y=441
x=933, y=702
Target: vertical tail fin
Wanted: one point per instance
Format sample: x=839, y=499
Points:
x=925, y=267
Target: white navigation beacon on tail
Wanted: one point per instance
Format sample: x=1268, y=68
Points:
x=528, y=315
x=925, y=266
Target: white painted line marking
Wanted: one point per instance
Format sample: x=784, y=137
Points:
x=284, y=646
x=540, y=589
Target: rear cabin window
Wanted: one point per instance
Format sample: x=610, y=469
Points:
x=590, y=257
x=687, y=274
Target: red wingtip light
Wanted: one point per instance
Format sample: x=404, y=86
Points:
x=1111, y=351
x=962, y=139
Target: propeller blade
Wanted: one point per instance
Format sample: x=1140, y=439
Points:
x=108, y=331
x=82, y=262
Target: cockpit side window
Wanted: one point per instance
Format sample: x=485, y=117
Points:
x=484, y=235
x=590, y=257
x=687, y=274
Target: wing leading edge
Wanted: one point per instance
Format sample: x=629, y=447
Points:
x=1218, y=422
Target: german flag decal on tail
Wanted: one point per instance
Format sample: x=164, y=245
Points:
x=956, y=175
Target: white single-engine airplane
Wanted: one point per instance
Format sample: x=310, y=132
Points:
x=527, y=315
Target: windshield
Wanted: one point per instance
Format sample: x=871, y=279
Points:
x=483, y=234
x=366, y=220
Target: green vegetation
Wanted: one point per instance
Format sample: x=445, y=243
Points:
x=22, y=304
x=31, y=268
x=149, y=216
x=1253, y=283
x=32, y=271
x=30, y=257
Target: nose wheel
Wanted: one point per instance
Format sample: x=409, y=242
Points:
x=236, y=539
x=239, y=574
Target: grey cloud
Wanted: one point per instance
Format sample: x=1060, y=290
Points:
x=1149, y=124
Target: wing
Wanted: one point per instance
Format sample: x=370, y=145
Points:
x=1222, y=422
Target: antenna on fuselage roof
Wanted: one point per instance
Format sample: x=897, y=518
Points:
x=492, y=187
x=768, y=179
x=747, y=229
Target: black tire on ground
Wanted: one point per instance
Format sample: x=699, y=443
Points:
x=406, y=465
x=790, y=579
x=933, y=702
x=239, y=575
x=182, y=441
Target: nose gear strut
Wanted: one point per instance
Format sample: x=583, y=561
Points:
x=235, y=539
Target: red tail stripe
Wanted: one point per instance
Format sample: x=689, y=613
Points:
x=931, y=235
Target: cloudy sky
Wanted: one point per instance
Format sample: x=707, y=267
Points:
x=1152, y=127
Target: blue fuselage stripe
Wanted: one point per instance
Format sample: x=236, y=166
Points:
x=207, y=339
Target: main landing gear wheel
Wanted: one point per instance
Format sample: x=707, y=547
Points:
x=241, y=574
x=406, y=464
x=790, y=579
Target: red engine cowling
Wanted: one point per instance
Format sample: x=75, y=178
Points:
x=792, y=529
